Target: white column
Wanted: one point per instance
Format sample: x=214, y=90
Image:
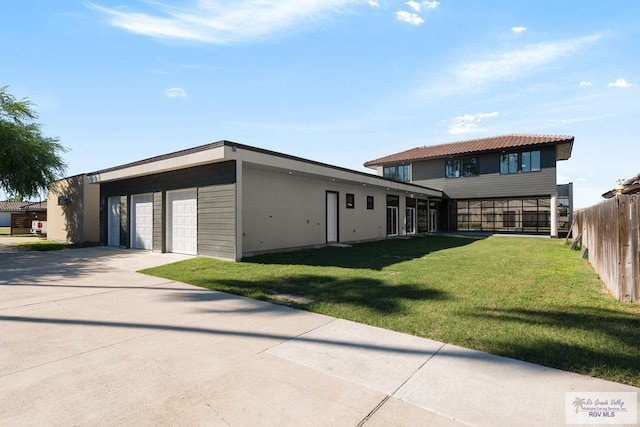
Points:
x=554, y=215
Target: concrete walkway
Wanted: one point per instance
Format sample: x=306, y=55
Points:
x=84, y=340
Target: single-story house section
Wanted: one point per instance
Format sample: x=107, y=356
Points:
x=18, y=215
x=230, y=201
x=503, y=183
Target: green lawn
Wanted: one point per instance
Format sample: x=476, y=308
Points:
x=527, y=298
x=43, y=245
x=5, y=231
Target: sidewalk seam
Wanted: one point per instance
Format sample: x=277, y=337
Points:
x=333, y=319
x=389, y=396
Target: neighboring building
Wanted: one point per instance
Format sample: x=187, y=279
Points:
x=497, y=184
x=18, y=215
x=230, y=201
x=627, y=186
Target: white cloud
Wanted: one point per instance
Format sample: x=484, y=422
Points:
x=518, y=29
x=373, y=3
x=430, y=4
x=175, y=92
x=222, y=22
x=410, y=18
x=620, y=83
x=509, y=65
x=585, y=83
x=413, y=5
x=468, y=123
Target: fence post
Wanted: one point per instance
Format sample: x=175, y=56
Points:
x=625, y=257
x=633, y=282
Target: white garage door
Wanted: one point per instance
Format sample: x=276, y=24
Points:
x=182, y=221
x=113, y=227
x=142, y=221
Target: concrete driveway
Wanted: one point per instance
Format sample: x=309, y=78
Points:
x=85, y=340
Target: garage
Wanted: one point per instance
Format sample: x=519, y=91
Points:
x=113, y=227
x=182, y=221
x=142, y=221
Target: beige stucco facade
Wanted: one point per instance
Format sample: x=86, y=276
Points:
x=79, y=219
x=283, y=210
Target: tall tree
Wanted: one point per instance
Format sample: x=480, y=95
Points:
x=29, y=161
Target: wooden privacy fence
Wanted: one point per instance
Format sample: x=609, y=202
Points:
x=610, y=232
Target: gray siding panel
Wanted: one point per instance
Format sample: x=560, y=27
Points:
x=158, y=222
x=428, y=170
x=488, y=164
x=197, y=176
x=496, y=185
x=217, y=221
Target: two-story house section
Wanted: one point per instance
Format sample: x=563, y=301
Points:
x=497, y=184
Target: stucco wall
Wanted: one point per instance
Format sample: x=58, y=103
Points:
x=289, y=211
x=78, y=221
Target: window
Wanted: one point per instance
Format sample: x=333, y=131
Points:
x=531, y=161
x=509, y=163
x=455, y=168
x=452, y=168
x=403, y=173
x=470, y=166
x=390, y=172
x=509, y=219
x=397, y=173
x=350, y=201
x=369, y=202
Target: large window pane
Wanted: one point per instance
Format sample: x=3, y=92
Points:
x=526, y=162
x=470, y=166
x=531, y=161
x=535, y=160
x=463, y=215
x=509, y=219
x=452, y=168
x=403, y=173
x=509, y=163
x=488, y=216
x=513, y=163
x=390, y=172
x=423, y=216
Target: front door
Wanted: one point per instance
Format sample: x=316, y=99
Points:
x=392, y=220
x=113, y=222
x=332, y=217
x=433, y=220
x=411, y=220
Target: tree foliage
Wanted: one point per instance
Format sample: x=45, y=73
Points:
x=29, y=161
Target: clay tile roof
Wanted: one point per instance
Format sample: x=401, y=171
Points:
x=470, y=147
x=7, y=206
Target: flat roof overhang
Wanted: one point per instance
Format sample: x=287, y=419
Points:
x=256, y=158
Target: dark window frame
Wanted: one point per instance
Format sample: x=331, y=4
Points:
x=532, y=162
x=370, y=203
x=511, y=161
x=462, y=167
x=350, y=200
x=400, y=173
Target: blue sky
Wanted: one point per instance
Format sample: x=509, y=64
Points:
x=337, y=81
